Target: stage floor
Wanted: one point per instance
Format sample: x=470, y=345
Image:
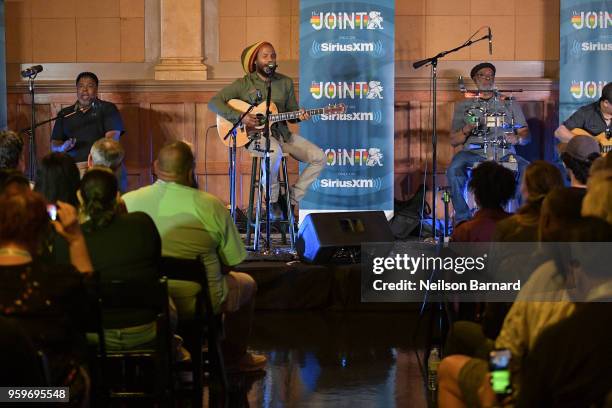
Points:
x=324, y=346
x=334, y=359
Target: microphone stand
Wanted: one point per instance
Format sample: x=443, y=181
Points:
x=267, y=135
x=32, y=138
x=433, y=61
x=29, y=128
x=232, y=159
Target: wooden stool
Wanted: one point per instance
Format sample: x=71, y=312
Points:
x=255, y=224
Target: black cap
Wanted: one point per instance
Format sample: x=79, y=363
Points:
x=481, y=66
x=606, y=92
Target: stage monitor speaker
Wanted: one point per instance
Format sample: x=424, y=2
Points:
x=335, y=236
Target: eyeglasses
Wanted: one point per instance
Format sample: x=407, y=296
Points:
x=487, y=77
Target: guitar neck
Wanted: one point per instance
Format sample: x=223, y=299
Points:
x=280, y=117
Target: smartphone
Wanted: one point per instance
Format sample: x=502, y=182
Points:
x=52, y=211
x=499, y=366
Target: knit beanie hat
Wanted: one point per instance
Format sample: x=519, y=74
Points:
x=249, y=55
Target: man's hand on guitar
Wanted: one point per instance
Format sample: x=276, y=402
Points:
x=250, y=121
x=304, y=115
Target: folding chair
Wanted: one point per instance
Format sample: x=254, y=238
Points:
x=203, y=326
x=120, y=295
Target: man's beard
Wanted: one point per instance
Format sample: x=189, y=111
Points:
x=488, y=87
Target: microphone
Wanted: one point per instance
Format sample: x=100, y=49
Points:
x=271, y=67
x=490, y=42
x=461, y=84
x=32, y=71
x=94, y=107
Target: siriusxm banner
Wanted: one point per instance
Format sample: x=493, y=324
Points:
x=585, y=55
x=347, y=57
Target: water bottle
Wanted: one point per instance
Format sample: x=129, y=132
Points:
x=432, y=368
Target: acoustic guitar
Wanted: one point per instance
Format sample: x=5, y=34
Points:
x=605, y=144
x=244, y=135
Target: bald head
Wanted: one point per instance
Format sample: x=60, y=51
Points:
x=175, y=163
x=106, y=152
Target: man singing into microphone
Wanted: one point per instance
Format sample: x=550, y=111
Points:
x=259, y=63
x=80, y=125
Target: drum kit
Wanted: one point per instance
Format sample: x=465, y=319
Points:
x=494, y=123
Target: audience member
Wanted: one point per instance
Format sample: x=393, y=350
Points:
x=48, y=301
x=193, y=223
x=576, y=371
x=598, y=199
x=540, y=177
x=18, y=357
x=122, y=247
x=58, y=178
x=562, y=205
x=543, y=300
x=570, y=364
x=11, y=147
x=493, y=186
x=107, y=152
x=603, y=163
x=577, y=156
x=14, y=178
x=571, y=375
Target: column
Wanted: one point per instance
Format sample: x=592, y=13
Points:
x=181, y=41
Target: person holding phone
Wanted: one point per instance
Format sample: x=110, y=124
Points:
x=46, y=299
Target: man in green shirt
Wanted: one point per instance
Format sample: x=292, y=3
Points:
x=256, y=61
x=191, y=223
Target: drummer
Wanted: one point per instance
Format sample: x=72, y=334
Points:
x=488, y=126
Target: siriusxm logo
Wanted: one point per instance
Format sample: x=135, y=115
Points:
x=370, y=157
x=591, y=19
x=578, y=48
x=355, y=183
x=375, y=183
x=356, y=20
x=596, y=46
x=321, y=49
x=354, y=47
x=347, y=90
x=587, y=89
x=375, y=117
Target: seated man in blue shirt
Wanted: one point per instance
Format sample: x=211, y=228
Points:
x=471, y=127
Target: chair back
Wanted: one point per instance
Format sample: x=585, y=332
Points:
x=190, y=270
x=151, y=297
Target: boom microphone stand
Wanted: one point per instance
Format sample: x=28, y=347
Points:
x=44, y=122
x=31, y=73
x=32, y=139
x=232, y=156
x=271, y=68
x=433, y=61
